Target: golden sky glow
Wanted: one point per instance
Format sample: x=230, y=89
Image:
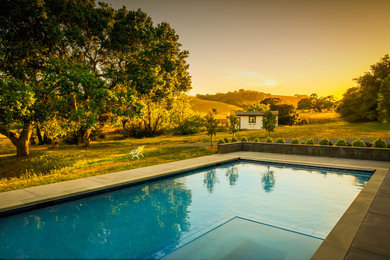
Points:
x=280, y=46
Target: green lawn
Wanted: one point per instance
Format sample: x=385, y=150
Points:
x=47, y=164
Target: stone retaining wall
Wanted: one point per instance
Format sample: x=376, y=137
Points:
x=360, y=153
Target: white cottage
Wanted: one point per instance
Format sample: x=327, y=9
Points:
x=249, y=120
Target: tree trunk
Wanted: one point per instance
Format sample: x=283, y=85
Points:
x=124, y=122
x=46, y=139
x=86, y=137
x=80, y=135
x=39, y=134
x=21, y=140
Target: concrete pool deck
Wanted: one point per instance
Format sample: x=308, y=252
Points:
x=363, y=232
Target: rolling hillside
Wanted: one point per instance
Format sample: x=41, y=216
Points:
x=244, y=98
x=204, y=106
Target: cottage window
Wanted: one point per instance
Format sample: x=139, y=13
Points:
x=252, y=119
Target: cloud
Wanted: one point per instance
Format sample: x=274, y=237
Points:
x=250, y=78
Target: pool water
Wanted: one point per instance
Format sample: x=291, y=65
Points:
x=172, y=217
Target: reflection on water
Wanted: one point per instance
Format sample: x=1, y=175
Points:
x=360, y=180
x=232, y=174
x=268, y=180
x=128, y=223
x=139, y=221
x=210, y=179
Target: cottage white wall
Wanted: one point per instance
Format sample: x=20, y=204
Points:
x=244, y=123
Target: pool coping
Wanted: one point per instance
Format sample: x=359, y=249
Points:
x=335, y=246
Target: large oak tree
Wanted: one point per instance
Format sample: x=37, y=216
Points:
x=76, y=61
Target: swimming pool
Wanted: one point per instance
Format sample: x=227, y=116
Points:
x=249, y=206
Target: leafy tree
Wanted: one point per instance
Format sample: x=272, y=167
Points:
x=183, y=118
x=384, y=100
x=304, y=103
x=259, y=107
x=28, y=37
x=233, y=123
x=316, y=103
x=287, y=114
x=211, y=126
x=148, y=61
x=361, y=103
x=92, y=60
x=320, y=103
x=350, y=106
x=80, y=97
x=269, y=122
x=17, y=104
x=272, y=102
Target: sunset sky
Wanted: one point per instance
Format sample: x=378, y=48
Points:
x=280, y=46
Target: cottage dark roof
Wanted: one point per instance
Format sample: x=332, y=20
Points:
x=253, y=113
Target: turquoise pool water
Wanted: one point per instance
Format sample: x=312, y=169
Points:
x=256, y=208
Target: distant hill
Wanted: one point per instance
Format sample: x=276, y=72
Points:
x=204, y=106
x=244, y=98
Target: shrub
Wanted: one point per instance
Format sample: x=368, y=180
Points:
x=226, y=139
x=257, y=140
x=221, y=141
x=244, y=139
x=280, y=141
x=189, y=126
x=359, y=143
x=234, y=139
x=310, y=141
x=379, y=143
x=341, y=142
x=269, y=140
x=295, y=141
x=324, y=141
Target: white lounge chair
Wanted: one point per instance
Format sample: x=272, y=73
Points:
x=137, y=152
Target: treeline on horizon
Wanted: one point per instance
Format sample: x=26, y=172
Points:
x=245, y=98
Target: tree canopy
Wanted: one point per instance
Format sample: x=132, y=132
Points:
x=74, y=61
x=368, y=101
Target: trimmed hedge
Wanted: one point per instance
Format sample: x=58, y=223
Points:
x=295, y=141
x=221, y=141
x=358, y=143
x=379, y=143
x=280, y=141
x=269, y=140
x=310, y=141
x=341, y=142
x=324, y=141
